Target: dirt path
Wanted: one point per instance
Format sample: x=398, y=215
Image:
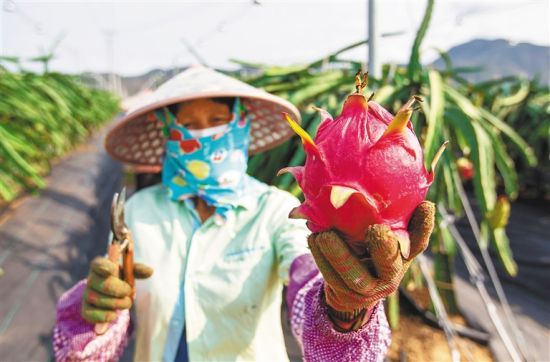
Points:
x=46, y=244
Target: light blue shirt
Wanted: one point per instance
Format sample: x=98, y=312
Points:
x=221, y=279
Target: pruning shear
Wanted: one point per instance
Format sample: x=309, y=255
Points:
x=122, y=246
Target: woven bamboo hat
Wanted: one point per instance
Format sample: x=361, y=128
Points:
x=137, y=139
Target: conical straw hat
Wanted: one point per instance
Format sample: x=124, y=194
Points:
x=137, y=139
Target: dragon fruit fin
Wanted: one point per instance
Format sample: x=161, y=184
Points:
x=339, y=195
x=402, y=118
x=283, y=170
x=297, y=172
x=438, y=156
x=410, y=102
x=399, y=122
x=306, y=138
x=297, y=213
x=325, y=115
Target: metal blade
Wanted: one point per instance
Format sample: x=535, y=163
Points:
x=114, y=214
x=117, y=217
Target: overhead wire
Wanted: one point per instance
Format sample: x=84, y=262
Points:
x=488, y=262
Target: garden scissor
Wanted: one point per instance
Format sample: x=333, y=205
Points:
x=122, y=246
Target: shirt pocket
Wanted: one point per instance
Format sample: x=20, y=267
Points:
x=245, y=255
x=240, y=277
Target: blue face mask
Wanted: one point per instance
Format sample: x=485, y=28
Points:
x=211, y=166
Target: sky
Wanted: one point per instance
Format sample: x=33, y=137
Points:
x=159, y=34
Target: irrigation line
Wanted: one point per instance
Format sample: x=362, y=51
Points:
x=440, y=311
x=477, y=278
x=512, y=322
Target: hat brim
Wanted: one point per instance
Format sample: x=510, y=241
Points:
x=137, y=139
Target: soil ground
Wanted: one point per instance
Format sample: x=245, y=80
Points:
x=416, y=341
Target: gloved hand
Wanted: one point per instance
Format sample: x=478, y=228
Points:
x=105, y=293
x=353, y=284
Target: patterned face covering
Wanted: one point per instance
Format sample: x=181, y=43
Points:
x=211, y=165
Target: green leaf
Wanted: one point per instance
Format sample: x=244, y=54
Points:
x=446, y=59
x=450, y=179
x=486, y=167
x=382, y=94
x=434, y=116
x=502, y=245
x=414, y=61
x=482, y=156
x=248, y=64
x=515, y=98
x=466, y=69
x=523, y=147
x=505, y=166
x=448, y=241
x=479, y=114
x=6, y=190
x=311, y=92
x=393, y=309
x=17, y=159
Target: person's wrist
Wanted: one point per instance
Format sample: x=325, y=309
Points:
x=346, y=321
x=346, y=317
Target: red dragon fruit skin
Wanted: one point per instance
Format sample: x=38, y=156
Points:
x=364, y=167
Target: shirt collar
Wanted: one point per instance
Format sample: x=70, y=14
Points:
x=254, y=190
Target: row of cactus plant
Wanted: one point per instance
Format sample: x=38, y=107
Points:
x=42, y=116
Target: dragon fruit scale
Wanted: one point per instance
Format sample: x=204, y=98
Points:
x=364, y=167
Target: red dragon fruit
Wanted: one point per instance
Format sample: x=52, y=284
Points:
x=364, y=167
x=465, y=168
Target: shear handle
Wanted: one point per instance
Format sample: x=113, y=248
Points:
x=128, y=263
x=114, y=254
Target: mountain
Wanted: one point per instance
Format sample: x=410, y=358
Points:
x=499, y=58
x=130, y=85
x=494, y=58
x=151, y=79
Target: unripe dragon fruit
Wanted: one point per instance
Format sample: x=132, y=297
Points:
x=364, y=167
x=465, y=168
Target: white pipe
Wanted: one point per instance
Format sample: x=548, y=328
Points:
x=476, y=277
x=1, y=27
x=374, y=35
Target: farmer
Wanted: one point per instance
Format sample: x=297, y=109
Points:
x=217, y=245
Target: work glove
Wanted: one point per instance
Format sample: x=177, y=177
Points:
x=354, y=284
x=105, y=293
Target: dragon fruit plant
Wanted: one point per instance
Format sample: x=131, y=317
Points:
x=364, y=167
